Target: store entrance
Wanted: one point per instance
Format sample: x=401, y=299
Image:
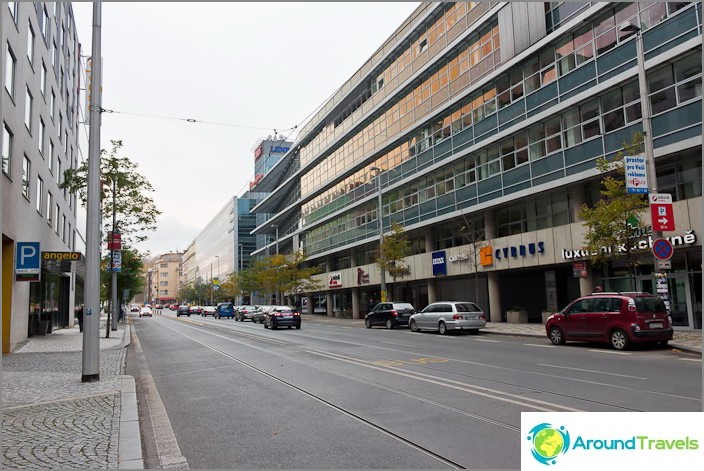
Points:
x=678, y=286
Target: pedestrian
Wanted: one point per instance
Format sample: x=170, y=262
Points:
x=79, y=316
x=598, y=289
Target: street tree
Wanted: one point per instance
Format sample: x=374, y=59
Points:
x=612, y=222
x=124, y=192
x=279, y=273
x=128, y=278
x=475, y=239
x=394, y=250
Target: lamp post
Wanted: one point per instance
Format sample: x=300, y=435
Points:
x=381, y=231
x=239, y=265
x=276, y=226
x=650, y=171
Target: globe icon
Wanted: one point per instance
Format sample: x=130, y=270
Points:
x=548, y=443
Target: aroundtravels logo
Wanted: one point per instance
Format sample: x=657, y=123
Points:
x=548, y=442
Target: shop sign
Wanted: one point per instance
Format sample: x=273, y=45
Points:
x=362, y=277
x=520, y=251
x=644, y=244
x=579, y=269
x=461, y=257
x=439, y=265
x=258, y=152
x=486, y=256
x=335, y=280
x=71, y=256
x=279, y=149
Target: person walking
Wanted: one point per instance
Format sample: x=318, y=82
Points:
x=79, y=316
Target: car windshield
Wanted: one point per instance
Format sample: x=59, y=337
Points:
x=649, y=304
x=403, y=306
x=226, y=306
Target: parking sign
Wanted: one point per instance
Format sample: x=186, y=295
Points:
x=28, y=264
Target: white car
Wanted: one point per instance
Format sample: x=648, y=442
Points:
x=444, y=316
x=145, y=311
x=208, y=311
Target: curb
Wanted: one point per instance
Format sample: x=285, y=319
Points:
x=130, y=438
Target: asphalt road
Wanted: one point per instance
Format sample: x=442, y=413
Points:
x=226, y=394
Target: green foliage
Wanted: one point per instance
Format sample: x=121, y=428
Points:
x=279, y=273
x=135, y=210
x=130, y=277
x=608, y=221
x=395, y=249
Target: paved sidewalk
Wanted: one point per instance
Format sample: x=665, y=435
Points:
x=51, y=419
x=685, y=340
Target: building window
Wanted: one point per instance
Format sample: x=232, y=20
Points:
x=28, y=110
x=40, y=145
x=51, y=105
x=43, y=79
x=30, y=44
x=6, y=150
x=26, y=167
x=56, y=219
x=58, y=171
x=10, y=64
x=163, y=283
x=63, y=227
x=13, y=10
x=40, y=194
x=68, y=236
x=51, y=156
x=49, y=207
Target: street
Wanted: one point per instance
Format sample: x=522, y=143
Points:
x=216, y=393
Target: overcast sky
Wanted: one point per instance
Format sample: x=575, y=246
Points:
x=254, y=67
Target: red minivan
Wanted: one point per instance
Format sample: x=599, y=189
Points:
x=619, y=319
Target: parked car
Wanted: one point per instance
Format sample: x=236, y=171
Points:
x=258, y=315
x=619, y=319
x=183, y=310
x=134, y=308
x=245, y=312
x=445, y=316
x=224, y=310
x=145, y=311
x=389, y=314
x=282, y=316
x=208, y=311
x=195, y=309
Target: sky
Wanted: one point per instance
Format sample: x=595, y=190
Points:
x=241, y=70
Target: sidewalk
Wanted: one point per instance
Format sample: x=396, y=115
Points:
x=685, y=340
x=51, y=419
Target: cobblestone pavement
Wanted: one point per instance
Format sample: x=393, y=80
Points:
x=51, y=419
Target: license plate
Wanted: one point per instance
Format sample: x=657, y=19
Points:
x=286, y=317
x=656, y=325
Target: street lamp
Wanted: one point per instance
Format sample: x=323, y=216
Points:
x=381, y=231
x=240, y=265
x=276, y=226
x=650, y=171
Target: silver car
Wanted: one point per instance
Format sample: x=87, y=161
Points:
x=445, y=316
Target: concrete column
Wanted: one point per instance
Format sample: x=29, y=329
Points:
x=586, y=285
x=578, y=197
x=494, y=297
x=355, y=304
x=328, y=304
x=429, y=242
x=310, y=306
x=432, y=290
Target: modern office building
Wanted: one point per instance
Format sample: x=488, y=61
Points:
x=480, y=124
x=40, y=139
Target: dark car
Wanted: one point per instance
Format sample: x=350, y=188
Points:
x=619, y=319
x=259, y=312
x=282, y=316
x=183, y=311
x=389, y=314
x=243, y=313
x=224, y=310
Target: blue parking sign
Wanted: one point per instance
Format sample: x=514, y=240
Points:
x=28, y=264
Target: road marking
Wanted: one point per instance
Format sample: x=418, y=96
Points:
x=611, y=352
x=486, y=340
x=589, y=371
x=402, y=344
x=691, y=359
x=541, y=345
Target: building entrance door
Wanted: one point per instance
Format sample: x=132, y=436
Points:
x=679, y=293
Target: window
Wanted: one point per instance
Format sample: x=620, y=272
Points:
x=40, y=144
x=13, y=10
x=51, y=156
x=63, y=227
x=43, y=79
x=40, y=194
x=26, y=167
x=28, y=110
x=30, y=44
x=6, y=150
x=58, y=171
x=51, y=105
x=68, y=235
x=56, y=219
x=11, y=63
x=49, y=207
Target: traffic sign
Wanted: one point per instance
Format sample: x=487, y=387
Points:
x=662, y=249
x=28, y=265
x=661, y=213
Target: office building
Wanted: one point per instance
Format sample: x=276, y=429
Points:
x=480, y=124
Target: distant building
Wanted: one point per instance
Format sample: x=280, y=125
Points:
x=41, y=72
x=164, y=276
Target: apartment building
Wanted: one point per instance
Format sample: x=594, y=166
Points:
x=480, y=124
x=164, y=275
x=41, y=69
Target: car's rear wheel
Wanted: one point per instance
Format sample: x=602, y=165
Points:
x=298, y=326
x=619, y=339
x=556, y=336
x=368, y=323
x=412, y=325
x=389, y=324
x=474, y=331
x=663, y=343
x=273, y=326
x=442, y=328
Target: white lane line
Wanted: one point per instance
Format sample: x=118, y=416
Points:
x=403, y=345
x=486, y=340
x=611, y=352
x=541, y=345
x=589, y=371
x=691, y=359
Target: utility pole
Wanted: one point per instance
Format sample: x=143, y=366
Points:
x=90, y=365
x=379, y=218
x=113, y=273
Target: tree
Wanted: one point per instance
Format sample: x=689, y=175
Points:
x=279, y=273
x=128, y=278
x=135, y=211
x=611, y=223
x=394, y=250
x=474, y=237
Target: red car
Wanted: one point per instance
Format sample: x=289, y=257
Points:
x=620, y=319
